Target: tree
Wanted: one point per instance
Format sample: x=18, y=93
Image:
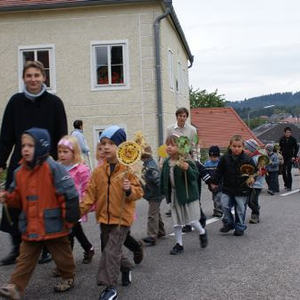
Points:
x=204, y=99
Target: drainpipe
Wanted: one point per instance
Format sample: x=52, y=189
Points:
x=156, y=26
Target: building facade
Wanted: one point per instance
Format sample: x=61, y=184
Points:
x=100, y=60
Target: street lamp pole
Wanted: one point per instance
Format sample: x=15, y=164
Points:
x=251, y=111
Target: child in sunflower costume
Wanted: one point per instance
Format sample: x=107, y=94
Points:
x=113, y=189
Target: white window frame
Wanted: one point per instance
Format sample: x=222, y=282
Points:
x=119, y=86
x=52, y=69
x=171, y=70
x=179, y=78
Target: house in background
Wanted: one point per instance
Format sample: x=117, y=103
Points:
x=110, y=61
x=216, y=125
x=272, y=132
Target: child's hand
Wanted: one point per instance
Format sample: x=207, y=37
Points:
x=126, y=185
x=183, y=165
x=213, y=187
x=250, y=181
x=2, y=197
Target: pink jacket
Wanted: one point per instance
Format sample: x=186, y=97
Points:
x=81, y=175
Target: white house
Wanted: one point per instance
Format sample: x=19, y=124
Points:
x=111, y=62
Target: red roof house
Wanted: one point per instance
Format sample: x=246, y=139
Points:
x=216, y=125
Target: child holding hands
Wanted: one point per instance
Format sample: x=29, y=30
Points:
x=48, y=200
x=69, y=155
x=184, y=205
x=113, y=190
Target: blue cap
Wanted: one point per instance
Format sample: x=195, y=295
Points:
x=114, y=133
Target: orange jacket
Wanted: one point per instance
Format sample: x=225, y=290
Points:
x=47, y=198
x=105, y=190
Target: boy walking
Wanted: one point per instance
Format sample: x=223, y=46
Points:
x=211, y=166
x=113, y=189
x=155, y=225
x=48, y=200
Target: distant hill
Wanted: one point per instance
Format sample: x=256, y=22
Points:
x=284, y=102
x=278, y=99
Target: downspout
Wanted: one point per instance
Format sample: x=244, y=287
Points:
x=156, y=26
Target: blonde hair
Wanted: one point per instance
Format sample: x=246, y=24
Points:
x=71, y=143
x=236, y=138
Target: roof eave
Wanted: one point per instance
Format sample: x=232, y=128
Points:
x=178, y=27
x=67, y=5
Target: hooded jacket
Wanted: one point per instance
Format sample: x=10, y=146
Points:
x=105, y=190
x=44, y=192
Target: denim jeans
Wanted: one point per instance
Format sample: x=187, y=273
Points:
x=240, y=205
x=253, y=201
x=272, y=181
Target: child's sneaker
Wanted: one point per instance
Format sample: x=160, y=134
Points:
x=238, y=233
x=64, y=285
x=226, y=228
x=138, y=254
x=254, y=219
x=110, y=293
x=126, y=278
x=149, y=241
x=45, y=258
x=10, y=291
x=270, y=192
x=203, y=240
x=88, y=256
x=177, y=249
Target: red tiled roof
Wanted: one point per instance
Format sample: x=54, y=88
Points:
x=26, y=3
x=217, y=125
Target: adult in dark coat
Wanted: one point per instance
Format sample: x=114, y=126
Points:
x=289, y=150
x=34, y=107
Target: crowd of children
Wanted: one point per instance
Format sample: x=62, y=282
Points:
x=53, y=209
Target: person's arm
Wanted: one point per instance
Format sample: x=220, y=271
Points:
x=7, y=135
x=61, y=128
x=296, y=149
x=219, y=173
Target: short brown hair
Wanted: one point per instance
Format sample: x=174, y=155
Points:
x=236, y=138
x=34, y=64
x=171, y=139
x=182, y=110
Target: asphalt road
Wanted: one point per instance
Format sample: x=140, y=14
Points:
x=263, y=264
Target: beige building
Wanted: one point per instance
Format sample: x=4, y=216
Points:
x=102, y=59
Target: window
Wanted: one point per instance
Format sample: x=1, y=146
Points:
x=109, y=65
x=44, y=54
x=179, y=78
x=171, y=69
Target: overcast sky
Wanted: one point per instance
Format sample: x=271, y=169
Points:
x=243, y=48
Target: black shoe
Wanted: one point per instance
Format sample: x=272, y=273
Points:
x=149, y=241
x=226, y=228
x=10, y=259
x=217, y=214
x=202, y=221
x=254, y=219
x=110, y=293
x=45, y=258
x=168, y=213
x=88, y=256
x=138, y=254
x=126, y=278
x=238, y=233
x=177, y=249
x=187, y=228
x=203, y=240
x=270, y=192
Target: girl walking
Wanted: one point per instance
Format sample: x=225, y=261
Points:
x=69, y=155
x=182, y=194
